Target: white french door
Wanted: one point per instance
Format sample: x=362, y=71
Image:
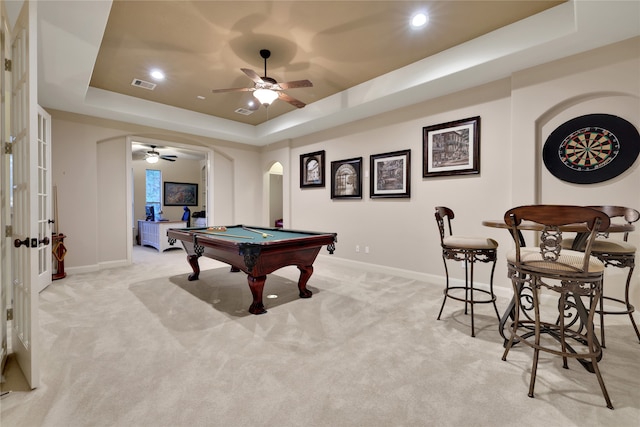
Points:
x=31, y=249
x=5, y=188
x=43, y=166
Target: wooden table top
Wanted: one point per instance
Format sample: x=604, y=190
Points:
x=575, y=228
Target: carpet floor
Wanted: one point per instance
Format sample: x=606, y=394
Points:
x=143, y=346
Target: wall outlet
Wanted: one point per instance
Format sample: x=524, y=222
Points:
x=366, y=249
x=357, y=248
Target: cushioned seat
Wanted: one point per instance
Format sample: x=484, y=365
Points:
x=610, y=246
x=576, y=277
x=467, y=249
x=470, y=242
x=567, y=260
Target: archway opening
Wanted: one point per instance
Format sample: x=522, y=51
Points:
x=276, y=195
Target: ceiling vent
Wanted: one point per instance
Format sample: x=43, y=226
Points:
x=143, y=84
x=244, y=111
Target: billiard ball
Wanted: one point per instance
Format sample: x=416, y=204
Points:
x=264, y=235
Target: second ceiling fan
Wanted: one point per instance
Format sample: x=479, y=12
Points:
x=267, y=89
x=153, y=156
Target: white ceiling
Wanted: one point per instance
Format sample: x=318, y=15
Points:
x=71, y=33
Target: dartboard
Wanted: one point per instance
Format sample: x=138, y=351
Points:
x=591, y=148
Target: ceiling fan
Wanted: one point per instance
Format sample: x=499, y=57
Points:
x=267, y=89
x=153, y=156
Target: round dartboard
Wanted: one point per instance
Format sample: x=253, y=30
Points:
x=592, y=148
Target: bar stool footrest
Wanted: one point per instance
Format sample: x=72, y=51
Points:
x=449, y=294
x=630, y=308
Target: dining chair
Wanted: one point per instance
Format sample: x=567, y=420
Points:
x=573, y=275
x=614, y=253
x=467, y=249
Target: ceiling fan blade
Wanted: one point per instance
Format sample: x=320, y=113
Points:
x=138, y=155
x=235, y=89
x=295, y=84
x=252, y=75
x=168, y=158
x=283, y=96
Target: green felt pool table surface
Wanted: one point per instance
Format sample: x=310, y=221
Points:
x=257, y=235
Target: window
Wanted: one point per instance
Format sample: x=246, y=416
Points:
x=153, y=185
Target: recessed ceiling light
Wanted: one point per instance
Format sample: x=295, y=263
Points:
x=157, y=74
x=419, y=20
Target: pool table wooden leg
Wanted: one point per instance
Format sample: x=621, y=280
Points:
x=305, y=273
x=193, y=262
x=256, y=284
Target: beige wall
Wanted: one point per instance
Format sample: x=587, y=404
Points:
x=89, y=170
x=517, y=114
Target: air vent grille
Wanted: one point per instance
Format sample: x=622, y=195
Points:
x=143, y=84
x=244, y=111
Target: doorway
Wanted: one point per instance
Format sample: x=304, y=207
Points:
x=275, y=195
x=174, y=163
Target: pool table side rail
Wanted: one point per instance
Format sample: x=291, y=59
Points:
x=202, y=231
x=244, y=255
x=257, y=227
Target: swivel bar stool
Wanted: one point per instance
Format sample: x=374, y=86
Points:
x=615, y=253
x=469, y=250
x=574, y=276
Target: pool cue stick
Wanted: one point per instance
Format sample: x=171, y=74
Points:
x=256, y=231
x=55, y=209
x=228, y=235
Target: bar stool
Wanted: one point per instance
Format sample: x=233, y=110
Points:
x=575, y=276
x=469, y=250
x=615, y=253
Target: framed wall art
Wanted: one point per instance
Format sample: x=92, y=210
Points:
x=312, y=169
x=451, y=148
x=346, y=179
x=391, y=174
x=180, y=194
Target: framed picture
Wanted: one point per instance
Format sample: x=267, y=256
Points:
x=451, y=148
x=346, y=179
x=391, y=174
x=180, y=194
x=312, y=169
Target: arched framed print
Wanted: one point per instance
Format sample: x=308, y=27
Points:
x=591, y=148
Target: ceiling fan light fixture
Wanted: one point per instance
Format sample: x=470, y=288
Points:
x=153, y=158
x=265, y=96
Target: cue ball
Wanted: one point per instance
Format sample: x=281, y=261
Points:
x=264, y=235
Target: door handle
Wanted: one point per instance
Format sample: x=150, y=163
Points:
x=33, y=243
x=17, y=243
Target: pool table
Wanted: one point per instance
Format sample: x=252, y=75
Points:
x=257, y=251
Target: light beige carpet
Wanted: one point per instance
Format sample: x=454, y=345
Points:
x=142, y=346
